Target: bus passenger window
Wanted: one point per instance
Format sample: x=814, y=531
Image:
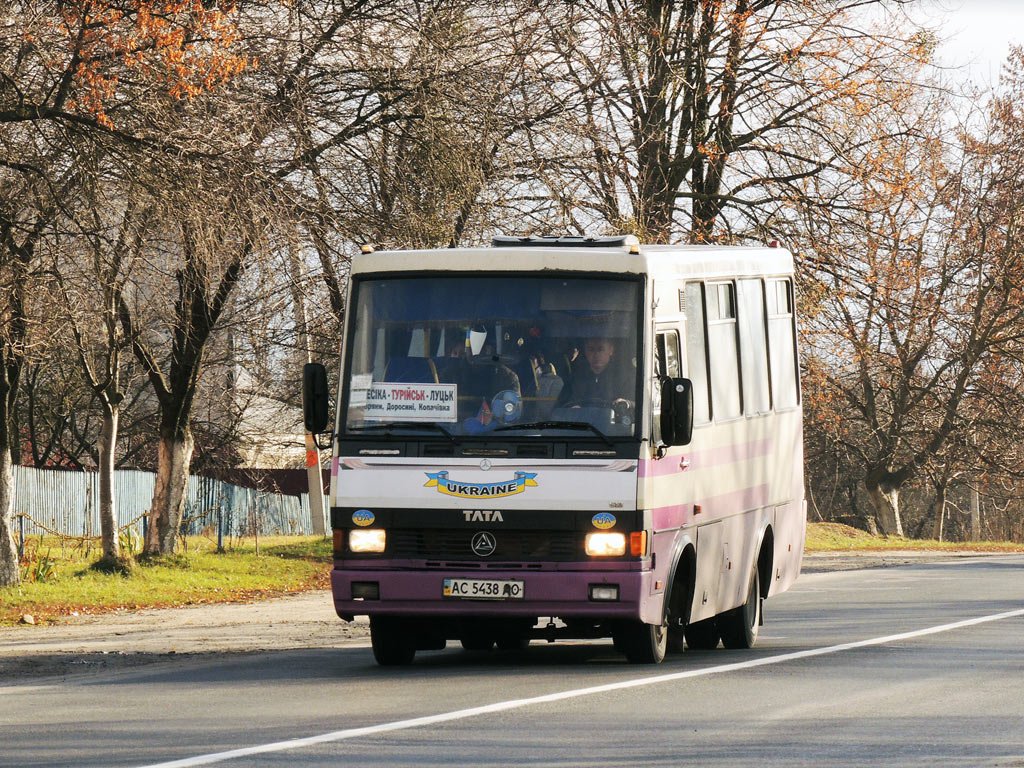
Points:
x=722, y=341
x=782, y=343
x=756, y=396
x=696, y=353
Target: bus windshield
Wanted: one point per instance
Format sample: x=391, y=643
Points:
x=468, y=355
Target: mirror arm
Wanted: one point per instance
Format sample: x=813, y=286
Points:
x=330, y=442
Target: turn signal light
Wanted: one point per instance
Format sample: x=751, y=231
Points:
x=638, y=543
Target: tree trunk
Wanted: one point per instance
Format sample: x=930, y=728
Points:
x=10, y=574
x=861, y=518
x=883, y=490
x=173, y=460
x=939, y=510
x=108, y=502
x=975, y=514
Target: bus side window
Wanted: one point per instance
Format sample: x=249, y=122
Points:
x=696, y=353
x=782, y=343
x=753, y=348
x=724, y=348
x=673, y=366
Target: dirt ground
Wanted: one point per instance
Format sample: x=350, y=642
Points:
x=80, y=644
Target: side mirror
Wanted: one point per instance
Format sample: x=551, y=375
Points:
x=676, y=411
x=315, y=403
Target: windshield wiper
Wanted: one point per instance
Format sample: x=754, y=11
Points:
x=405, y=425
x=582, y=425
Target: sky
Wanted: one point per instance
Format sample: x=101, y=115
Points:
x=979, y=33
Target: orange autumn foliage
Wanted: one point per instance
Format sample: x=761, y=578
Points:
x=184, y=48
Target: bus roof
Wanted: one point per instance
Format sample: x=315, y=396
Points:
x=654, y=260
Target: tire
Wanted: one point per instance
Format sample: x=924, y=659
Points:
x=702, y=635
x=739, y=626
x=675, y=642
x=513, y=642
x=393, y=644
x=642, y=643
x=477, y=643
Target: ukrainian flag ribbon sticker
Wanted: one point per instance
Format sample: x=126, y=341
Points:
x=462, y=490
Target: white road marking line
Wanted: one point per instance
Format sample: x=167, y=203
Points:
x=504, y=706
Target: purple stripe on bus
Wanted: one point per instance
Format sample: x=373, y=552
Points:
x=712, y=507
x=705, y=459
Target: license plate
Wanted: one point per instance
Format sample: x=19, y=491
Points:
x=483, y=589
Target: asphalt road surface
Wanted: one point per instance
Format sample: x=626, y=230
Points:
x=917, y=665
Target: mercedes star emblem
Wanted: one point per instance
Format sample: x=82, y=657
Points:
x=483, y=544
x=485, y=464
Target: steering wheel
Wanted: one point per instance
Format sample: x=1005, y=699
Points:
x=506, y=406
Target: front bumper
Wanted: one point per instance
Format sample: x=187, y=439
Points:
x=563, y=593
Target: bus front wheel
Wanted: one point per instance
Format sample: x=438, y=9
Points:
x=393, y=644
x=477, y=642
x=511, y=641
x=642, y=643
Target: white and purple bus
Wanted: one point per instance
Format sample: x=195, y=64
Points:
x=565, y=437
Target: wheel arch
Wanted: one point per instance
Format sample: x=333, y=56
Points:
x=682, y=577
x=766, y=558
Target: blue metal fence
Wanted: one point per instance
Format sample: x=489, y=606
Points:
x=67, y=503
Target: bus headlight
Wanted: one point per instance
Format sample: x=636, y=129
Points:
x=367, y=540
x=605, y=544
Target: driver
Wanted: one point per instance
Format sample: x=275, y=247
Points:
x=597, y=381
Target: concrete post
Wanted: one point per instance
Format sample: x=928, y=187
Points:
x=316, y=487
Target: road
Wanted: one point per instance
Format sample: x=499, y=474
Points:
x=917, y=665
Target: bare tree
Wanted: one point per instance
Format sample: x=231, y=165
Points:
x=915, y=313
x=28, y=208
x=693, y=111
x=91, y=272
x=207, y=255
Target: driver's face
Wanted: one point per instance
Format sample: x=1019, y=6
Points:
x=599, y=353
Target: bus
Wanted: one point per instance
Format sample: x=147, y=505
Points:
x=564, y=437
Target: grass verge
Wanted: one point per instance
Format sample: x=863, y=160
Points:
x=836, y=537
x=60, y=582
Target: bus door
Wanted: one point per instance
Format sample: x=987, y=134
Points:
x=671, y=487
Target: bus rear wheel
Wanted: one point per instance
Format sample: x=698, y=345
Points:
x=642, y=643
x=739, y=626
x=393, y=643
x=702, y=635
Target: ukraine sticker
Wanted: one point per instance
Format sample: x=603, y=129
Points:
x=363, y=517
x=603, y=520
x=444, y=484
